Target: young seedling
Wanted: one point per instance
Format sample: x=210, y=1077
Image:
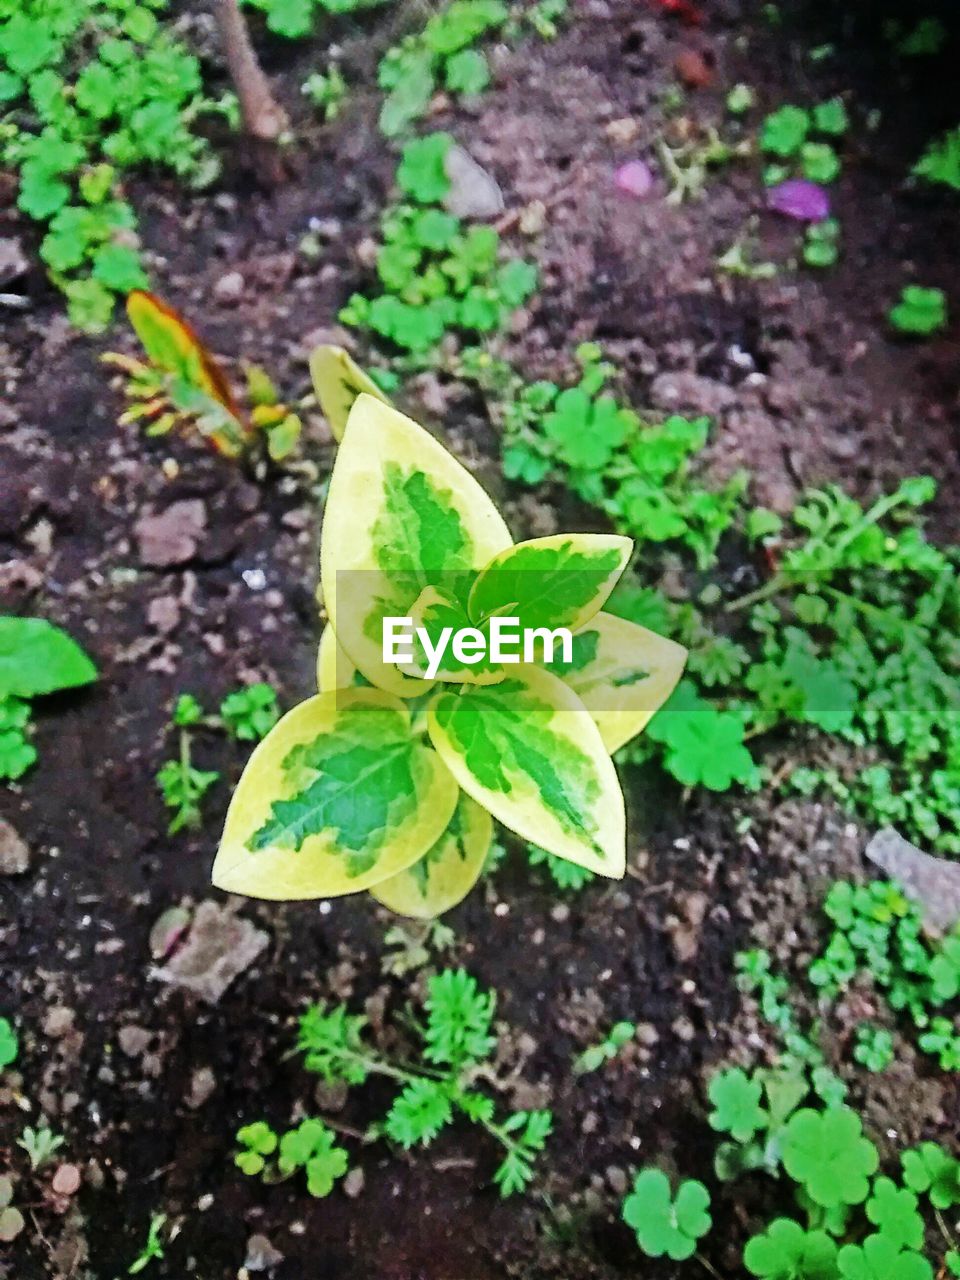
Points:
x=414, y=944
x=311, y=1146
x=327, y=92
x=40, y=1145
x=874, y=1047
x=457, y=1043
x=593, y=1057
x=36, y=658
x=152, y=1250
x=181, y=386
x=940, y=163
x=821, y=243
x=920, y=311
x=246, y=715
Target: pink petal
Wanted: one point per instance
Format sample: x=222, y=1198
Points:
x=800, y=199
x=634, y=179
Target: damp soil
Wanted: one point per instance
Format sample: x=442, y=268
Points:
x=805, y=385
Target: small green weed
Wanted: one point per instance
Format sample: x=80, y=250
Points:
x=152, y=1250
x=9, y=1044
x=920, y=311
x=457, y=1041
x=311, y=1146
x=441, y=56
x=90, y=90
x=595, y=1055
x=940, y=163
x=247, y=715
x=294, y=19
x=36, y=658
x=436, y=274
x=327, y=91
x=40, y=1144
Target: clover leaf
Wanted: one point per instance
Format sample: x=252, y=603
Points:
x=704, y=745
x=785, y=131
x=736, y=1101
x=9, y=1045
x=893, y=1211
x=878, y=1258
x=786, y=1252
x=920, y=311
x=422, y=172
x=664, y=1224
x=827, y=1153
x=931, y=1170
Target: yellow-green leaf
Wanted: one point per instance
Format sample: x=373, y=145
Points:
x=528, y=751
x=401, y=515
x=338, y=380
x=334, y=668
x=447, y=872
x=338, y=796
x=622, y=674
x=558, y=581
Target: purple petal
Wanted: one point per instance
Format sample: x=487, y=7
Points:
x=800, y=199
x=634, y=179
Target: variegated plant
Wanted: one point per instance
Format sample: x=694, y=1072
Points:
x=386, y=780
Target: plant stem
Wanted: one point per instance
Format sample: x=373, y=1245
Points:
x=263, y=119
x=777, y=583
x=708, y=1266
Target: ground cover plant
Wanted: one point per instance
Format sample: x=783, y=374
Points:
x=441, y=1083
x=36, y=659
x=89, y=91
x=437, y=275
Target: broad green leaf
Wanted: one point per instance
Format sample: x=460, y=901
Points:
x=529, y=752
x=402, y=514
x=447, y=872
x=622, y=673
x=337, y=797
x=338, y=380
x=558, y=581
x=36, y=658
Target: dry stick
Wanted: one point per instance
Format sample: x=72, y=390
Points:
x=264, y=120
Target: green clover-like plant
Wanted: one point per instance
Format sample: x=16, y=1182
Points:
x=664, y=1223
x=878, y=1258
x=386, y=779
x=786, y=1252
x=827, y=1153
x=736, y=1101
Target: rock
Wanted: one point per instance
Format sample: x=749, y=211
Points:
x=932, y=883
x=14, y=851
x=353, y=1183
x=13, y=261
x=66, y=1180
x=58, y=1022
x=473, y=192
x=692, y=69
x=134, y=1041
x=229, y=289
x=163, y=614
x=219, y=946
x=170, y=537
x=261, y=1255
x=624, y=130
x=202, y=1084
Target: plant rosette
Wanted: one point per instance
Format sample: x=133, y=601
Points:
x=387, y=780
